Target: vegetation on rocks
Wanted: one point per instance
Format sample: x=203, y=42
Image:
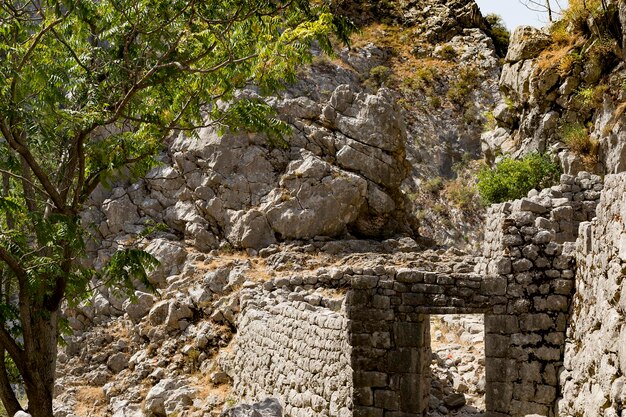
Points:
x=499, y=33
x=511, y=179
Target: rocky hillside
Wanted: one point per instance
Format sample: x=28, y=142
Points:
x=387, y=136
x=371, y=127
x=563, y=89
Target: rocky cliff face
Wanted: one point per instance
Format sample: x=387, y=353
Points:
x=563, y=89
x=405, y=105
x=339, y=173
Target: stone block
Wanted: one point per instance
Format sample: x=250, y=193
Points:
x=363, y=379
x=525, y=339
x=501, y=370
x=543, y=237
x=536, y=322
x=364, y=282
x=512, y=240
x=522, y=218
x=380, y=302
x=427, y=289
x=562, y=213
x=501, y=324
x=413, y=299
x=522, y=265
x=498, y=397
x=526, y=204
x=405, y=360
x=545, y=394
x=430, y=277
x=414, y=389
x=358, y=297
x=563, y=286
x=389, y=400
x=370, y=314
x=523, y=392
x=524, y=408
x=530, y=372
x=543, y=223
x=496, y=345
x=495, y=285
x=445, y=280
x=551, y=303
x=409, y=276
x=408, y=334
x=360, y=411
x=548, y=353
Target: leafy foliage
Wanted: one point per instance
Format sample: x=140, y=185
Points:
x=499, y=33
x=578, y=140
x=511, y=179
x=88, y=90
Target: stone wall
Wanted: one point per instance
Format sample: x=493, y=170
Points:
x=523, y=286
x=530, y=242
x=295, y=350
x=595, y=355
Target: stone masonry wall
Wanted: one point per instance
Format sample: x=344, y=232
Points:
x=295, y=350
x=379, y=331
x=595, y=355
x=529, y=241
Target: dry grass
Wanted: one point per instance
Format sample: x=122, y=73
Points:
x=204, y=387
x=90, y=402
x=559, y=56
x=258, y=266
x=400, y=42
x=119, y=331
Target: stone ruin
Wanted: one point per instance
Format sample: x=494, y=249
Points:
x=364, y=350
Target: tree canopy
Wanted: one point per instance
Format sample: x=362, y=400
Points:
x=88, y=88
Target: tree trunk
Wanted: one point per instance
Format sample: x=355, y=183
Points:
x=549, y=8
x=41, y=363
x=7, y=395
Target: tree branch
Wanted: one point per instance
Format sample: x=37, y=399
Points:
x=10, y=402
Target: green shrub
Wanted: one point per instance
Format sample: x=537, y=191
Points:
x=511, y=179
x=498, y=33
x=467, y=81
x=578, y=140
x=378, y=76
x=434, y=185
x=462, y=195
x=448, y=52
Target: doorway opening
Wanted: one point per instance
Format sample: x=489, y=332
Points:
x=457, y=385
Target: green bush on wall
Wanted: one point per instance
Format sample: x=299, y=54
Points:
x=511, y=179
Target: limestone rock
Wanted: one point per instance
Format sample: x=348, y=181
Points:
x=270, y=407
x=170, y=256
x=139, y=309
x=119, y=211
x=526, y=43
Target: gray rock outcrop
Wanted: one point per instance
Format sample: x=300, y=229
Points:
x=270, y=407
x=340, y=172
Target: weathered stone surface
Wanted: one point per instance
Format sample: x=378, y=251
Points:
x=139, y=308
x=270, y=407
x=170, y=255
x=526, y=43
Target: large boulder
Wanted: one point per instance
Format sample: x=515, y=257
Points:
x=527, y=42
x=340, y=172
x=170, y=255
